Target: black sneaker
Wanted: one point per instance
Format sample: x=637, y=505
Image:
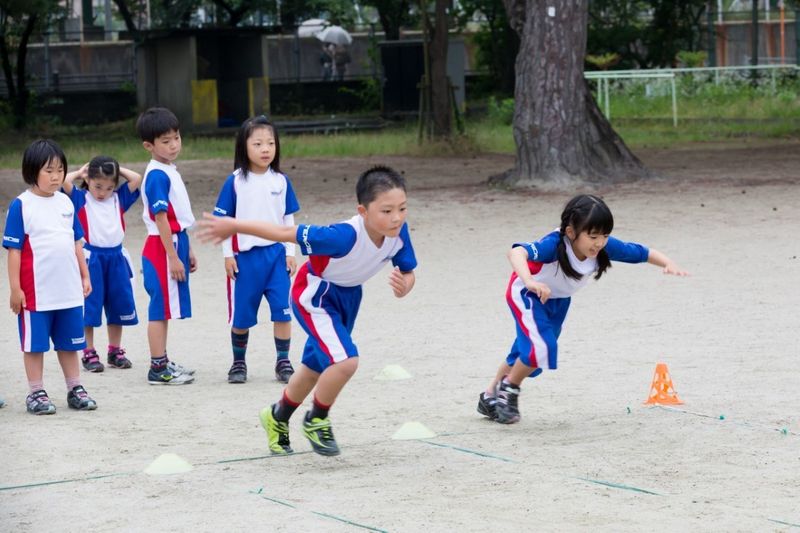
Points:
x=319, y=433
x=238, y=372
x=283, y=370
x=91, y=361
x=38, y=403
x=486, y=406
x=507, y=406
x=117, y=359
x=79, y=399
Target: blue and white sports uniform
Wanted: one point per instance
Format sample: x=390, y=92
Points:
x=539, y=325
x=267, y=197
x=103, y=224
x=163, y=191
x=327, y=290
x=45, y=230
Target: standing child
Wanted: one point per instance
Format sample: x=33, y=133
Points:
x=48, y=276
x=258, y=267
x=546, y=275
x=167, y=257
x=101, y=206
x=327, y=293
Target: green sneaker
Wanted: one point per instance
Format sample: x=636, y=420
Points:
x=319, y=433
x=277, y=432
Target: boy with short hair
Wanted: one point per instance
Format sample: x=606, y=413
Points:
x=167, y=257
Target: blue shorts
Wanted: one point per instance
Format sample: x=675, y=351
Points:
x=64, y=326
x=112, y=288
x=328, y=321
x=538, y=327
x=168, y=297
x=262, y=273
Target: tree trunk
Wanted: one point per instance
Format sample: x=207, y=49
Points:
x=20, y=103
x=126, y=15
x=440, y=86
x=562, y=138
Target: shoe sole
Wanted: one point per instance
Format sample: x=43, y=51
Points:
x=263, y=415
x=237, y=380
x=43, y=412
x=327, y=452
x=94, y=370
x=172, y=382
x=87, y=408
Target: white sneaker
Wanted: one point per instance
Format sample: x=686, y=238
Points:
x=175, y=368
x=167, y=377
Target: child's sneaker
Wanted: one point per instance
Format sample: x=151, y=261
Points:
x=507, y=406
x=238, y=372
x=283, y=370
x=2, y=401
x=117, y=359
x=175, y=368
x=91, y=361
x=319, y=433
x=38, y=403
x=487, y=406
x=166, y=376
x=277, y=432
x=79, y=399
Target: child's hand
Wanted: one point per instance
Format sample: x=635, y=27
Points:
x=176, y=269
x=231, y=268
x=192, y=261
x=215, y=229
x=675, y=270
x=397, y=281
x=17, y=301
x=81, y=173
x=291, y=265
x=87, y=286
x=540, y=289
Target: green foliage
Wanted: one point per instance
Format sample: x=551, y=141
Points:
x=692, y=59
x=605, y=61
x=497, y=43
x=500, y=111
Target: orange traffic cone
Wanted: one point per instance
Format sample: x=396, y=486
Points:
x=661, y=391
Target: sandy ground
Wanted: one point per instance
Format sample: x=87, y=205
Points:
x=587, y=454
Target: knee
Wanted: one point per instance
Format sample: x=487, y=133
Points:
x=348, y=367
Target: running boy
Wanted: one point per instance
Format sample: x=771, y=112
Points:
x=256, y=267
x=167, y=257
x=327, y=293
x=47, y=275
x=101, y=205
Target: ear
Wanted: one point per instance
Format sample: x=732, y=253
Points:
x=571, y=233
x=362, y=210
x=148, y=146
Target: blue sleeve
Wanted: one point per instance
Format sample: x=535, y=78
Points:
x=126, y=197
x=543, y=250
x=77, y=196
x=292, y=205
x=14, y=234
x=76, y=226
x=157, y=190
x=226, y=202
x=405, y=258
x=626, y=252
x=335, y=240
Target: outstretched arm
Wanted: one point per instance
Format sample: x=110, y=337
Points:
x=518, y=257
x=667, y=265
x=134, y=179
x=217, y=229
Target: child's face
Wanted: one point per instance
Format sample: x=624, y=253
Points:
x=260, y=149
x=51, y=177
x=166, y=147
x=101, y=188
x=386, y=214
x=588, y=243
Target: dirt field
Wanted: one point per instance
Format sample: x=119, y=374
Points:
x=587, y=455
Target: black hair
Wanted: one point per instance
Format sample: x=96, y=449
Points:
x=102, y=167
x=240, y=159
x=155, y=122
x=37, y=155
x=377, y=180
x=585, y=212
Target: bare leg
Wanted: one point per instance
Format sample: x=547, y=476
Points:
x=114, y=334
x=239, y=331
x=519, y=372
x=502, y=372
x=69, y=364
x=34, y=365
x=157, y=337
x=334, y=378
x=301, y=384
x=89, y=333
x=282, y=330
